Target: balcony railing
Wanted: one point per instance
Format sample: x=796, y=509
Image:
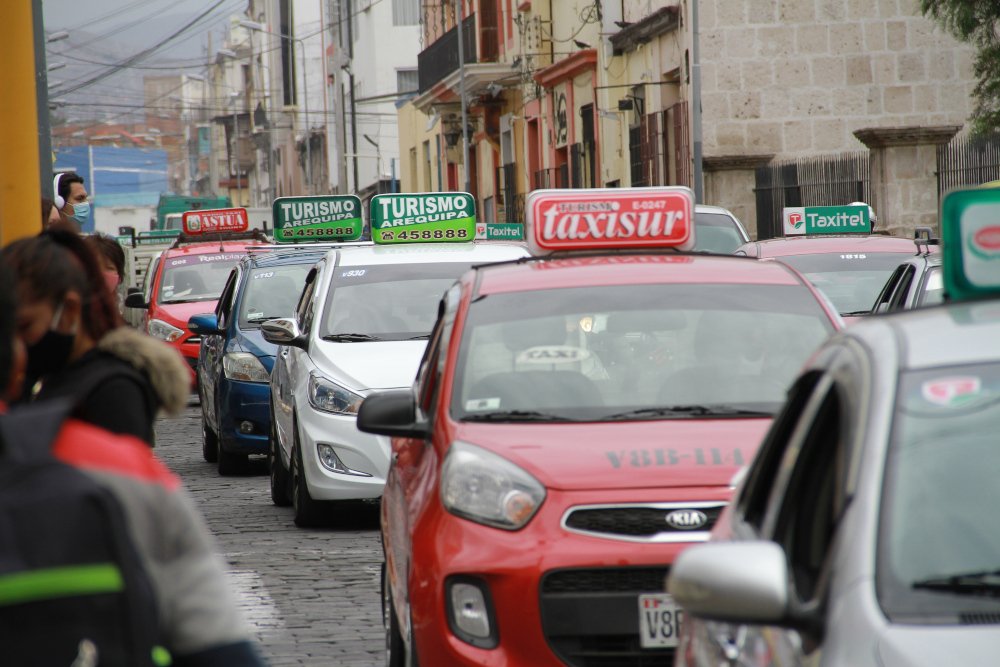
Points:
x=554, y=177
x=441, y=58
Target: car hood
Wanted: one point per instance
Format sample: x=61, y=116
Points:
x=178, y=314
x=623, y=455
x=251, y=340
x=364, y=366
x=917, y=645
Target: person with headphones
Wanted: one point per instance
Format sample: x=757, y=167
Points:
x=71, y=198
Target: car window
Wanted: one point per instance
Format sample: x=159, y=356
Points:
x=271, y=293
x=885, y=296
x=630, y=352
x=436, y=354
x=932, y=291
x=225, y=305
x=899, y=296
x=304, y=309
x=716, y=233
x=196, y=277
x=150, y=278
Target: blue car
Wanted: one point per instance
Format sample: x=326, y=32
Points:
x=234, y=361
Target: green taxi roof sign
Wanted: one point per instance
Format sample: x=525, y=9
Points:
x=970, y=239
x=321, y=218
x=428, y=217
x=851, y=219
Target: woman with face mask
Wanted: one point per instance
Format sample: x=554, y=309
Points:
x=77, y=345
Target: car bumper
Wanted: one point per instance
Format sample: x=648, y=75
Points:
x=365, y=455
x=244, y=416
x=575, y=602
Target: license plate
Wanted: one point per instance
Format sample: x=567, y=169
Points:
x=659, y=621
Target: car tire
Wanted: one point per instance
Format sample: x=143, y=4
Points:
x=395, y=649
x=209, y=442
x=307, y=511
x=281, y=488
x=230, y=463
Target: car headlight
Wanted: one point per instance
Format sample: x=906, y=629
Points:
x=244, y=366
x=329, y=396
x=163, y=331
x=486, y=488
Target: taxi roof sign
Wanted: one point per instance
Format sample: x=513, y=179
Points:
x=851, y=219
x=319, y=218
x=213, y=220
x=970, y=237
x=610, y=219
x=427, y=217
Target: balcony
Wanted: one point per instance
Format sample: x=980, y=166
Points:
x=441, y=58
x=554, y=177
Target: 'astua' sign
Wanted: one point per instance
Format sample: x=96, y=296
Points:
x=215, y=220
x=605, y=219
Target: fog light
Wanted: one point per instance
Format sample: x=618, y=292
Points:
x=471, y=613
x=330, y=460
x=246, y=427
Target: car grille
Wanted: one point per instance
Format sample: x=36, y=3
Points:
x=646, y=522
x=194, y=340
x=590, y=617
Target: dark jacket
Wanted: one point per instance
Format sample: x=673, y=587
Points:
x=123, y=383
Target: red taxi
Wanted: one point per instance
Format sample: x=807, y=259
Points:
x=190, y=276
x=842, y=257
x=575, y=423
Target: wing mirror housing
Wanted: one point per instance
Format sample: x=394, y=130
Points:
x=392, y=413
x=135, y=300
x=283, y=331
x=204, y=324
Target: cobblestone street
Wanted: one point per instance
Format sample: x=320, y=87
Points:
x=312, y=596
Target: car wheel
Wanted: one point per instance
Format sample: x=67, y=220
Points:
x=281, y=494
x=307, y=512
x=230, y=463
x=209, y=442
x=395, y=650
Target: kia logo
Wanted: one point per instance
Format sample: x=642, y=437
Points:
x=686, y=519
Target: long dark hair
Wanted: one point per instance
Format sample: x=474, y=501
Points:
x=53, y=263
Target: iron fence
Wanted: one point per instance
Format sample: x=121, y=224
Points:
x=966, y=161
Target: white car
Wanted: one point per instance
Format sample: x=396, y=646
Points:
x=717, y=230
x=361, y=325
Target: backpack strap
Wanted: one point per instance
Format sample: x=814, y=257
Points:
x=28, y=431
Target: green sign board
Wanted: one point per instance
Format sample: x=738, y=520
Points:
x=325, y=218
x=853, y=219
x=500, y=231
x=431, y=217
x=970, y=239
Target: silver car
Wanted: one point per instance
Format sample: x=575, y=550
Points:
x=867, y=529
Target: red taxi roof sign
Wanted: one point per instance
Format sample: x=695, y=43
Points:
x=610, y=219
x=214, y=220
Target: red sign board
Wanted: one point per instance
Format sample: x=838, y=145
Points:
x=210, y=221
x=610, y=219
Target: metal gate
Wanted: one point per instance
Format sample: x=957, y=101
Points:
x=824, y=181
x=967, y=161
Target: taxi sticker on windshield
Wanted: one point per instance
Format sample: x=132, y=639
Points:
x=951, y=392
x=480, y=404
x=552, y=354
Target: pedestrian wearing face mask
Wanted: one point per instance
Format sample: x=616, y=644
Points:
x=78, y=346
x=71, y=199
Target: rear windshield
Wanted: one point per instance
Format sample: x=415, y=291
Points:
x=387, y=301
x=196, y=277
x=625, y=352
x=851, y=280
x=939, y=539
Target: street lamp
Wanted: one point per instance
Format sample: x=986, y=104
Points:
x=260, y=27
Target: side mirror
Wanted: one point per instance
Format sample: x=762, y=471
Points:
x=204, y=324
x=283, y=331
x=392, y=413
x=135, y=300
x=135, y=290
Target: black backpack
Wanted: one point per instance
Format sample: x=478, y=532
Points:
x=73, y=590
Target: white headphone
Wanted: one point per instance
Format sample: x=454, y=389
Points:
x=59, y=201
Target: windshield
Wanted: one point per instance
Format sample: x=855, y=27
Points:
x=386, y=301
x=851, y=280
x=933, y=291
x=272, y=293
x=196, y=277
x=629, y=352
x=940, y=527
x=716, y=233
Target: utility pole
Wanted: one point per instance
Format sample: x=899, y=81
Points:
x=42, y=101
x=461, y=92
x=699, y=183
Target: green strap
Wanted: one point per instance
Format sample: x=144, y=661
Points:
x=59, y=582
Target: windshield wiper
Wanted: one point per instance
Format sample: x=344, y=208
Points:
x=420, y=337
x=687, y=411
x=350, y=337
x=969, y=583
x=856, y=313
x=171, y=301
x=258, y=320
x=514, y=416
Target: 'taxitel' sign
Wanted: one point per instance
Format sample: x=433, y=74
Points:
x=826, y=220
x=610, y=218
x=326, y=218
x=214, y=220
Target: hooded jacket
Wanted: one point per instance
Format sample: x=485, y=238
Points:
x=123, y=383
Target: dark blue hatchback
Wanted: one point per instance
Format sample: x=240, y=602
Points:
x=234, y=361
